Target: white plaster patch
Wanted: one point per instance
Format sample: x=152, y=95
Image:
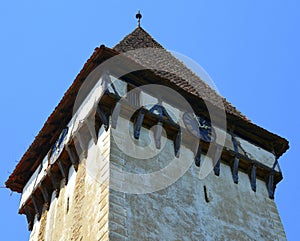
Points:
x=120, y=86
x=256, y=153
x=89, y=104
x=34, y=180
x=147, y=100
x=174, y=113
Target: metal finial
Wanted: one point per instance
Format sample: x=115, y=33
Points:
x=139, y=16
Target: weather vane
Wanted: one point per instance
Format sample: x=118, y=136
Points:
x=139, y=16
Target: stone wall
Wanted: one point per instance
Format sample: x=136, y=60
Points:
x=92, y=205
x=80, y=212
x=214, y=208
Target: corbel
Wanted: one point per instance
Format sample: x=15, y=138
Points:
x=270, y=185
x=198, y=155
x=46, y=193
x=38, y=206
x=73, y=156
x=64, y=170
x=162, y=112
x=253, y=177
x=177, y=143
x=29, y=212
x=104, y=118
x=138, y=124
x=218, y=155
x=163, y=115
x=235, y=167
x=55, y=180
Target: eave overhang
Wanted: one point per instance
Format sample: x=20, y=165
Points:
x=63, y=114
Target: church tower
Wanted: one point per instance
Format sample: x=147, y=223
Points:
x=141, y=148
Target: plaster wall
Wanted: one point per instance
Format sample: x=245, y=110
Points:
x=213, y=208
x=246, y=148
x=94, y=206
x=90, y=208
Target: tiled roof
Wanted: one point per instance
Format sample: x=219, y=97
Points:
x=170, y=65
x=139, y=38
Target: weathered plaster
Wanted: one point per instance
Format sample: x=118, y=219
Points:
x=182, y=212
x=90, y=208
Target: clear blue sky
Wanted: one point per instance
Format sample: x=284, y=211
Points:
x=250, y=49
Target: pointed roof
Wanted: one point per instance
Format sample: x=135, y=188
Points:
x=188, y=80
x=139, y=38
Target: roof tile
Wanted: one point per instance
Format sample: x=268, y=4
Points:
x=187, y=80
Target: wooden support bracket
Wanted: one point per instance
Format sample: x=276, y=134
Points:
x=46, y=196
x=177, y=143
x=29, y=212
x=104, y=118
x=138, y=124
x=253, y=177
x=73, y=157
x=55, y=180
x=198, y=155
x=217, y=160
x=64, y=170
x=235, y=168
x=38, y=206
x=217, y=167
x=270, y=185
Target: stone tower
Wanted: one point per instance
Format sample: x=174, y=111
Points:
x=140, y=148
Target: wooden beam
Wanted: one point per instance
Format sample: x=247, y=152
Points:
x=73, y=157
x=177, y=143
x=46, y=196
x=270, y=185
x=104, y=118
x=29, y=212
x=253, y=178
x=138, y=124
x=38, y=206
x=198, y=155
x=64, y=170
x=217, y=167
x=235, y=167
x=55, y=180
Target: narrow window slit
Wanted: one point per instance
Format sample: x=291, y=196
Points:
x=68, y=204
x=205, y=194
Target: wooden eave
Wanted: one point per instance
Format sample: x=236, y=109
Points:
x=63, y=114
